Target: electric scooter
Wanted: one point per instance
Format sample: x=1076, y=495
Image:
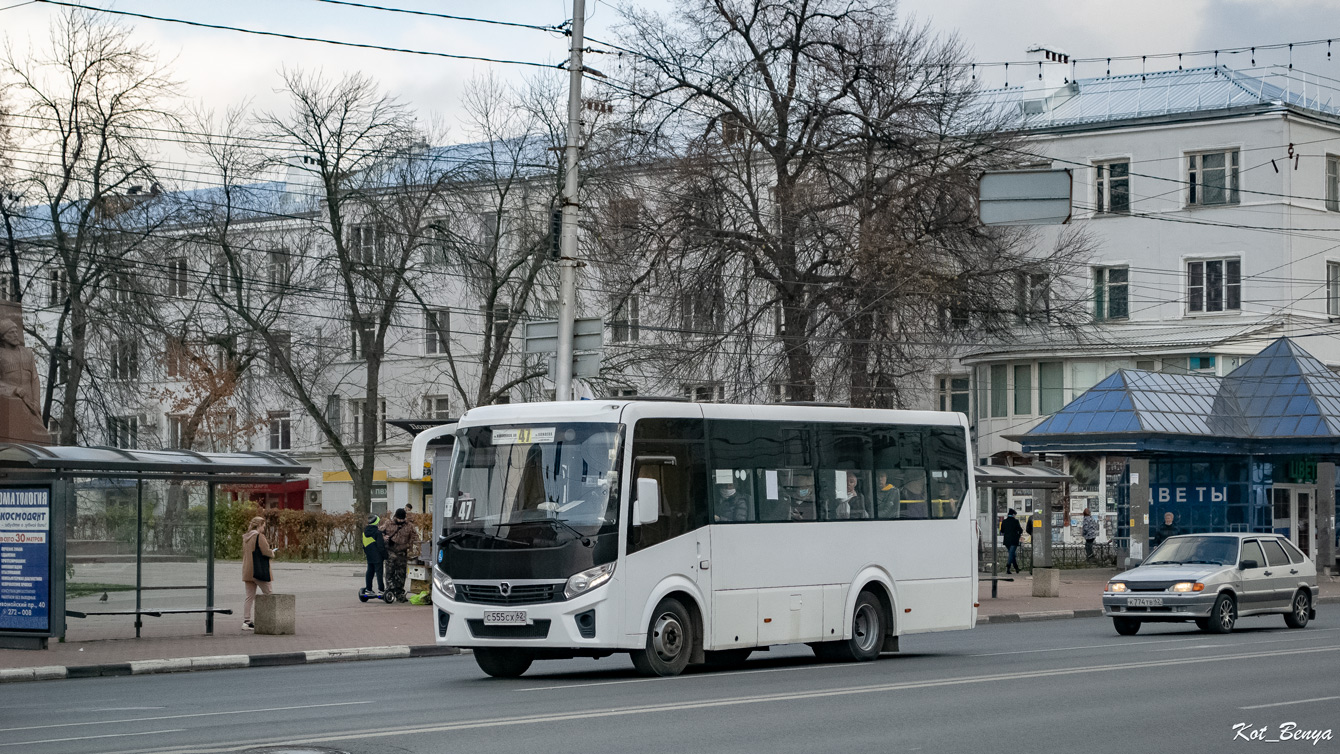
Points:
x=367, y=594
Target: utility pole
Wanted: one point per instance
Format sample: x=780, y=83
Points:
x=567, y=262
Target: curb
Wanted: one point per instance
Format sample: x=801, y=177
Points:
x=222, y=662
x=1091, y=613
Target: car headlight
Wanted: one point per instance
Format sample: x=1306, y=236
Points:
x=444, y=583
x=1116, y=586
x=588, y=580
x=1187, y=586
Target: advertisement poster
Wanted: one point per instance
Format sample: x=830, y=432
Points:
x=25, y=556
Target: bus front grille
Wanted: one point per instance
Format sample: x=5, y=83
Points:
x=519, y=594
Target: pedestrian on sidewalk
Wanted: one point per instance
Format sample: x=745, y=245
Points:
x=1010, y=533
x=1090, y=531
x=401, y=539
x=256, y=554
x=1169, y=529
x=374, y=549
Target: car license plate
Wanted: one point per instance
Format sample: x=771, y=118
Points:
x=505, y=618
x=1144, y=602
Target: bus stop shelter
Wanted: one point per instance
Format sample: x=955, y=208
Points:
x=115, y=505
x=991, y=478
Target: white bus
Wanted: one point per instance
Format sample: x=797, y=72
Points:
x=686, y=533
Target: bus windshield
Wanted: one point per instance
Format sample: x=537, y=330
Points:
x=541, y=485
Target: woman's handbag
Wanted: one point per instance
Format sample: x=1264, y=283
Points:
x=260, y=563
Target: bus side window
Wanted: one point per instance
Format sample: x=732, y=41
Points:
x=683, y=484
x=900, y=459
x=946, y=455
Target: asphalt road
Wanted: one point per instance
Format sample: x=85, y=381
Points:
x=1062, y=686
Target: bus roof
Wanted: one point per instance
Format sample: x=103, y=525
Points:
x=612, y=411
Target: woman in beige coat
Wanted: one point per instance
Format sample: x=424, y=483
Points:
x=253, y=538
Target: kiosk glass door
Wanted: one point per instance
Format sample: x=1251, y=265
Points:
x=1293, y=514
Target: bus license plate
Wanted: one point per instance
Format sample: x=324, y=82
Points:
x=505, y=618
x=1144, y=602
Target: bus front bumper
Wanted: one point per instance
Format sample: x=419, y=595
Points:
x=585, y=624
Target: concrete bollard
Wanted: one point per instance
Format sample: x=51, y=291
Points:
x=1046, y=583
x=276, y=614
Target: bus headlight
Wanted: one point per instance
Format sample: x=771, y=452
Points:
x=588, y=580
x=444, y=583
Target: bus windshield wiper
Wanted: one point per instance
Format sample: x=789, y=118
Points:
x=460, y=533
x=584, y=539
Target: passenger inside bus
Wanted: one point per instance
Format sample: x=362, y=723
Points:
x=911, y=484
x=886, y=496
x=800, y=496
x=850, y=502
x=732, y=504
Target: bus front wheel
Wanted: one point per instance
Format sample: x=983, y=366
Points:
x=503, y=663
x=867, y=634
x=669, y=641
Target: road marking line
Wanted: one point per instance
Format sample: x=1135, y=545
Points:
x=718, y=674
x=1223, y=645
x=179, y=717
x=730, y=702
x=90, y=738
x=1090, y=646
x=1285, y=704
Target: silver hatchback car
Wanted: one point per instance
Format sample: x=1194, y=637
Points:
x=1214, y=579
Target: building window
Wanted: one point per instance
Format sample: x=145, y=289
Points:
x=489, y=224
x=356, y=408
x=437, y=407
x=333, y=413
x=125, y=359
x=58, y=287
x=699, y=313
x=367, y=243
x=361, y=334
x=1023, y=389
x=624, y=326
x=1333, y=183
x=1212, y=178
x=281, y=430
x=227, y=279
x=706, y=393
x=178, y=272
x=437, y=243
x=122, y=283
x=175, y=425
x=1032, y=298
x=954, y=394
x=1000, y=390
x=175, y=357
x=281, y=351
x=1110, y=293
x=279, y=268
x=123, y=432
x=1114, y=186
x=1333, y=288
x=1201, y=363
x=1214, y=285
x=436, y=330
x=1051, y=383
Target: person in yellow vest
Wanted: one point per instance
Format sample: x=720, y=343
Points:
x=374, y=548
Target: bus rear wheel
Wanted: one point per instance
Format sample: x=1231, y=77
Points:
x=669, y=641
x=867, y=634
x=503, y=663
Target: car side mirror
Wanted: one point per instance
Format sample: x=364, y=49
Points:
x=1246, y=564
x=647, y=508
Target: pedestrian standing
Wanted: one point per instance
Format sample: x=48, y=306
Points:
x=1090, y=531
x=256, y=554
x=1010, y=533
x=374, y=549
x=401, y=538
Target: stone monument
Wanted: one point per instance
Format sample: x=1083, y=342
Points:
x=20, y=392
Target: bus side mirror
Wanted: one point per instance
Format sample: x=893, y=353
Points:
x=647, y=508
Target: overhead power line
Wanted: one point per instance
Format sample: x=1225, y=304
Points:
x=367, y=6
x=296, y=37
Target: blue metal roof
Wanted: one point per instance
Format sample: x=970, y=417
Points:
x=1282, y=394
x=1169, y=93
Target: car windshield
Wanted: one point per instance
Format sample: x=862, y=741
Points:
x=534, y=485
x=1188, y=550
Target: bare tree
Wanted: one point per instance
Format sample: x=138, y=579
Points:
x=90, y=100
x=820, y=157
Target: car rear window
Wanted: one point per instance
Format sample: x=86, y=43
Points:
x=1274, y=553
x=1294, y=553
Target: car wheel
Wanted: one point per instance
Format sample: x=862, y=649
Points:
x=1300, y=611
x=669, y=641
x=503, y=663
x=1203, y=624
x=1223, y=615
x=1126, y=626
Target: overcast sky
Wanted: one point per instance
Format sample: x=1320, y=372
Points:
x=223, y=68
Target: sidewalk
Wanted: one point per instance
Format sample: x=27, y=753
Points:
x=332, y=625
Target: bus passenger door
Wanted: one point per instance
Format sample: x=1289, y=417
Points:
x=676, y=546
